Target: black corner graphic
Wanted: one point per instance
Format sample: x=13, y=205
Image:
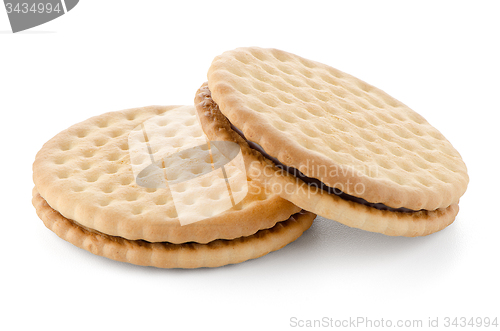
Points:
x=26, y=14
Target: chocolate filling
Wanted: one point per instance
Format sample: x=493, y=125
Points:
x=316, y=182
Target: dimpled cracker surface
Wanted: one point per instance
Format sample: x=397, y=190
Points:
x=167, y=255
x=337, y=128
x=85, y=173
x=331, y=206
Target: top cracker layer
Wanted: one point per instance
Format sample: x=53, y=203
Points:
x=337, y=128
x=86, y=173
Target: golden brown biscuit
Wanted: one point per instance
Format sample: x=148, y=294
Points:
x=369, y=160
x=145, y=186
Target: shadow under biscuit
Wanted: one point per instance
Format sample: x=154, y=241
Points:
x=329, y=246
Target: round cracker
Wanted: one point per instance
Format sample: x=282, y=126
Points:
x=86, y=174
x=167, y=255
x=322, y=121
x=311, y=198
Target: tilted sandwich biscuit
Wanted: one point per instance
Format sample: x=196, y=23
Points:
x=121, y=184
x=331, y=143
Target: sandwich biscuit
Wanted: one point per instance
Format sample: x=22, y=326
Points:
x=331, y=143
x=143, y=186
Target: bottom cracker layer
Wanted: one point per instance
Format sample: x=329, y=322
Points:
x=166, y=255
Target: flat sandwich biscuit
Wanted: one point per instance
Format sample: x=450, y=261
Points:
x=146, y=181
x=331, y=143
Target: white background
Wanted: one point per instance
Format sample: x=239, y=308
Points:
x=440, y=58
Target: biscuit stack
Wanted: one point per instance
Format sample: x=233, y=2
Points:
x=271, y=140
